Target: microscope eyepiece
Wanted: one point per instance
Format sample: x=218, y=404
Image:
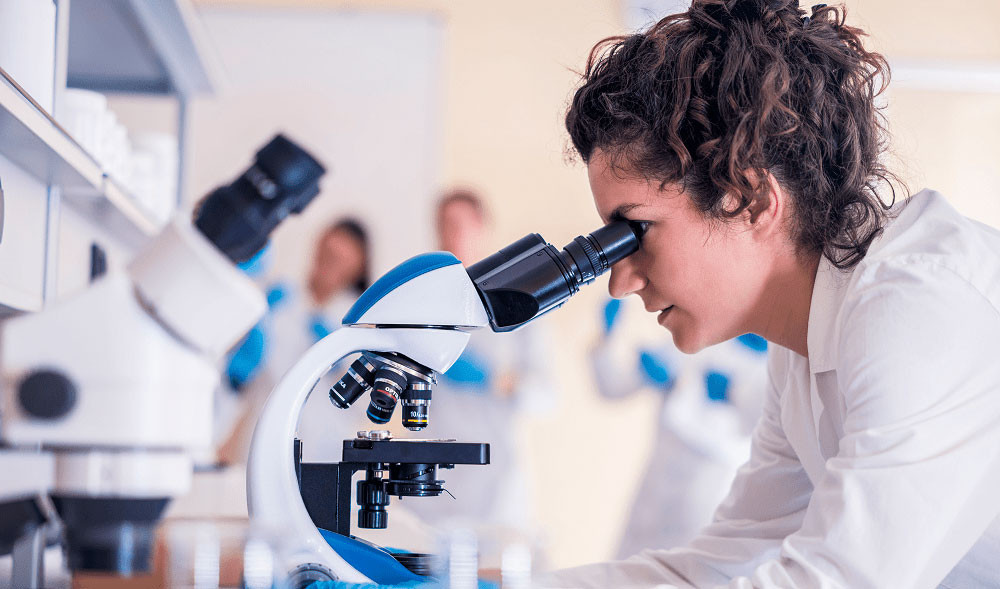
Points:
x=239, y=217
x=530, y=277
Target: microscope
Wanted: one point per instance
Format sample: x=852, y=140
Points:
x=108, y=394
x=411, y=324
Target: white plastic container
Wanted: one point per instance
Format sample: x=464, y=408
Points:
x=82, y=114
x=154, y=172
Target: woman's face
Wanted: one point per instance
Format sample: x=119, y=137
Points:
x=701, y=277
x=460, y=230
x=338, y=264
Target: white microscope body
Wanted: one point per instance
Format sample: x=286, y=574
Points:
x=431, y=306
x=422, y=311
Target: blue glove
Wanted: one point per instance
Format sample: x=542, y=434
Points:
x=318, y=327
x=246, y=361
x=259, y=263
x=611, y=310
x=656, y=371
x=717, y=386
x=753, y=341
x=470, y=371
x=277, y=293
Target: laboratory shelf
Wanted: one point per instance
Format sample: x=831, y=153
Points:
x=33, y=140
x=139, y=46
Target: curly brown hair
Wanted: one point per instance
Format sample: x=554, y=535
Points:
x=718, y=95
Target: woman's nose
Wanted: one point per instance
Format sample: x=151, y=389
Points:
x=625, y=279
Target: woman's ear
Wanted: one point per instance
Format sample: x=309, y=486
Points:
x=766, y=213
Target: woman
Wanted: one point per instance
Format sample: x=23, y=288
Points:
x=743, y=138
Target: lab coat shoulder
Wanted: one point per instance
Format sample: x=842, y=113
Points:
x=927, y=231
x=919, y=324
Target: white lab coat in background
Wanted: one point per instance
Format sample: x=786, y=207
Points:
x=876, y=462
x=292, y=325
x=295, y=325
x=700, y=442
x=470, y=409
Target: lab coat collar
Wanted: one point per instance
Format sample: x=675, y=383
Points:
x=824, y=316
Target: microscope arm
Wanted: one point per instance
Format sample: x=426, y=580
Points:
x=272, y=488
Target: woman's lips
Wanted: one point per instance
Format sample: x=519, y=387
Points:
x=663, y=314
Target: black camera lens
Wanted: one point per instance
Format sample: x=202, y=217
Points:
x=416, y=402
x=388, y=386
x=355, y=383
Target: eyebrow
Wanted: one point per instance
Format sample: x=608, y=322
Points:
x=619, y=212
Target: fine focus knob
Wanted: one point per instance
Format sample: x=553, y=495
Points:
x=47, y=394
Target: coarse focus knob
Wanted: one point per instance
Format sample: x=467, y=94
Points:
x=47, y=394
x=371, y=519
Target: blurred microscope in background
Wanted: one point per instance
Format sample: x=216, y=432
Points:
x=108, y=394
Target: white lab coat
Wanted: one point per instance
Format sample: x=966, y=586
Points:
x=700, y=443
x=876, y=462
x=323, y=427
x=288, y=332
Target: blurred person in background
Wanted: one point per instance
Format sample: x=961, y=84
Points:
x=498, y=378
x=298, y=317
x=708, y=404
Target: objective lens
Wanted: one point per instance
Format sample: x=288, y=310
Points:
x=416, y=406
x=355, y=383
x=388, y=386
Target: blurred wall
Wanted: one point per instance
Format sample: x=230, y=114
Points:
x=507, y=73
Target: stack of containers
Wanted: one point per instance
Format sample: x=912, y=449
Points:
x=145, y=164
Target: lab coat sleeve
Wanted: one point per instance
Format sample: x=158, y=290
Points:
x=765, y=504
x=614, y=374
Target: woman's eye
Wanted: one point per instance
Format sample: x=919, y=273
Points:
x=640, y=227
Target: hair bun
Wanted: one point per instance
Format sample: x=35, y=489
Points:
x=749, y=11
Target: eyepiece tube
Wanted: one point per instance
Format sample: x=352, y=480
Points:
x=530, y=277
x=239, y=217
x=616, y=241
